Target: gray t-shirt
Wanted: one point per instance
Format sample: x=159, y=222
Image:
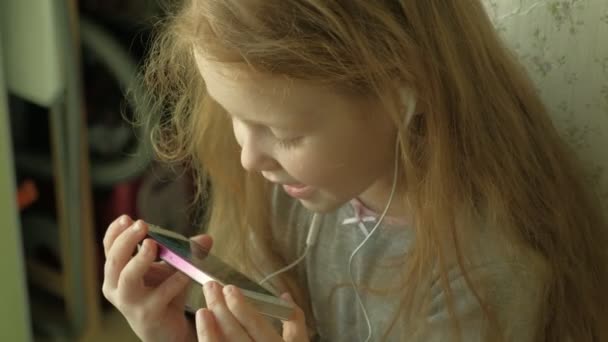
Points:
x=512, y=283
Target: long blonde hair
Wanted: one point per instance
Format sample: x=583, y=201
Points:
x=484, y=146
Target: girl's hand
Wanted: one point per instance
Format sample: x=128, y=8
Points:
x=151, y=295
x=229, y=318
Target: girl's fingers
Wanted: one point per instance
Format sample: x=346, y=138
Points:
x=295, y=329
x=204, y=240
x=114, y=230
x=158, y=272
x=256, y=326
x=169, y=289
x=231, y=328
x=206, y=327
x=130, y=281
x=120, y=252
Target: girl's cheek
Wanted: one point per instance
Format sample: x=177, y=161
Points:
x=316, y=173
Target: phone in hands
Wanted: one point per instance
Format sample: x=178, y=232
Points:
x=200, y=265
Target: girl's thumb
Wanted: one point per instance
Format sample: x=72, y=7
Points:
x=203, y=240
x=294, y=330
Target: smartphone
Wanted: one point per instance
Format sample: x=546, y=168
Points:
x=191, y=259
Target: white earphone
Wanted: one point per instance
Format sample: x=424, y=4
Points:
x=311, y=239
x=409, y=101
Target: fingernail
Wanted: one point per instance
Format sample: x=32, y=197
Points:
x=149, y=247
x=207, y=316
x=184, y=277
x=200, y=318
x=229, y=290
x=123, y=220
x=138, y=226
x=287, y=297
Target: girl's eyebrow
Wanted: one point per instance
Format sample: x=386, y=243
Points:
x=243, y=118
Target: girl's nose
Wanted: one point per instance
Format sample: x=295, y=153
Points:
x=254, y=157
x=255, y=160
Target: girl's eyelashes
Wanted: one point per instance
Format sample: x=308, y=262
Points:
x=288, y=143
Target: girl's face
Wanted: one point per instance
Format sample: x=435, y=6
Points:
x=323, y=147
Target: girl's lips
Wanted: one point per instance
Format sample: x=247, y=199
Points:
x=299, y=191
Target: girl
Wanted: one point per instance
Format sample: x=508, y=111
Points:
x=347, y=109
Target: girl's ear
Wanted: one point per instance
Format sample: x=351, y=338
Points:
x=408, y=100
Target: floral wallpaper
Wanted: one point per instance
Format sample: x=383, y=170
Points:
x=564, y=46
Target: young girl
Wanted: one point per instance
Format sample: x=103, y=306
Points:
x=447, y=206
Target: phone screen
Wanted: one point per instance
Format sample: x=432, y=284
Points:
x=211, y=265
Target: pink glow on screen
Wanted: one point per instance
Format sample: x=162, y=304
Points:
x=182, y=265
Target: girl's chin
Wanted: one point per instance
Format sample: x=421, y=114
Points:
x=321, y=204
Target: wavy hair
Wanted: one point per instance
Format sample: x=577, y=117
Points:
x=484, y=147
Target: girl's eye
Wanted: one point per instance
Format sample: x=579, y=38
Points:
x=289, y=143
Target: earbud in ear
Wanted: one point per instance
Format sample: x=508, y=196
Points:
x=408, y=100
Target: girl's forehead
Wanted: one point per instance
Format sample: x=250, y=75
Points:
x=238, y=79
x=275, y=100
x=260, y=98
x=243, y=74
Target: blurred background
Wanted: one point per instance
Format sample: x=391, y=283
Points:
x=70, y=162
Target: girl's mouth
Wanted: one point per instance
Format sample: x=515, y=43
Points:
x=299, y=191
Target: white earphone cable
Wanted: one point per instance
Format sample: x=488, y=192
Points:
x=311, y=238
x=410, y=102
x=380, y=219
